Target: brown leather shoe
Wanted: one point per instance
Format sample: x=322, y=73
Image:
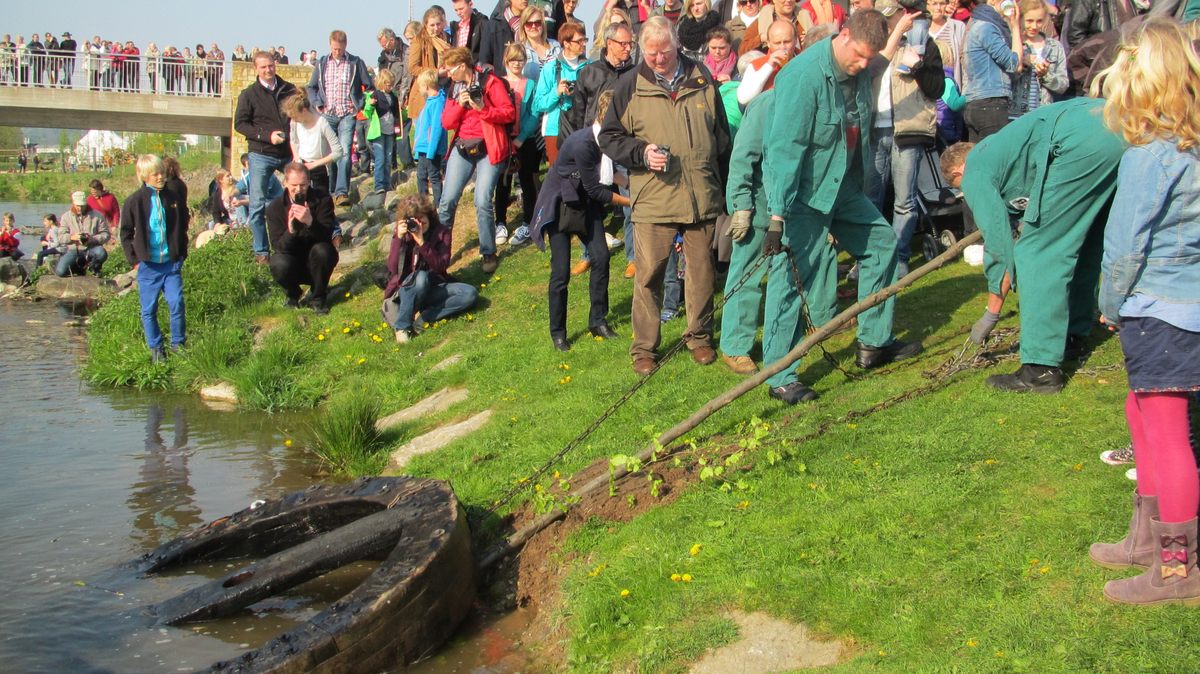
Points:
x=740, y=364
x=643, y=366
x=630, y=271
x=580, y=267
x=704, y=355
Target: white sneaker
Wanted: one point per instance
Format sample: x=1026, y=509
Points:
x=613, y=242
x=520, y=237
x=501, y=234
x=403, y=336
x=1131, y=474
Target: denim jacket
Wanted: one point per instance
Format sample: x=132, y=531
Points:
x=988, y=58
x=1152, y=241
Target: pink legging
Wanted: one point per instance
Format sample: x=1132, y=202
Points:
x=1162, y=452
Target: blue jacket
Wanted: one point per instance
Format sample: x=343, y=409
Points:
x=1152, y=241
x=529, y=119
x=361, y=78
x=429, y=138
x=546, y=100
x=988, y=57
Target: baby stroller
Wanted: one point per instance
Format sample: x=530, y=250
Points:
x=939, y=206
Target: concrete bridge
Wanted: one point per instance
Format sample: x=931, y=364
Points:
x=114, y=109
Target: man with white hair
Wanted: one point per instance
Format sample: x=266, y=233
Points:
x=667, y=125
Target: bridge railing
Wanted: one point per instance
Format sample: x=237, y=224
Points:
x=116, y=73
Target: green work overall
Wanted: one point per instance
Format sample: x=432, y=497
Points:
x=816, y=184
x=743, y=192
x=1064, y=160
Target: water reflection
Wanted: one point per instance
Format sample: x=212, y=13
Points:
x=163, y=499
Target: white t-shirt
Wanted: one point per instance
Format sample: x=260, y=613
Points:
x=883, y=106
x=315, y=143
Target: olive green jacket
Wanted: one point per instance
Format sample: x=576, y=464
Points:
x=692, y=124
x=805, y=157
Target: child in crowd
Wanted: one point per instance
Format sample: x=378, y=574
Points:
x=1151, y=292
x=382, y=109
x=154, y=223
x=1045, y=72
x=429, y=138
x=10, y=238
x=50, y=244
x=314, y=142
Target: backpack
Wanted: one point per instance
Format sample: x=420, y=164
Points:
x=487, y=71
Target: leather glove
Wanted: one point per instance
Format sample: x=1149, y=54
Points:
x=739, y=225
x=773, y=244
x=983, y=327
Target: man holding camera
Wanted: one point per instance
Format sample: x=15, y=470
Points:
x=670, y=101
x=83, y=233
x=301, y=225
x=260, y=119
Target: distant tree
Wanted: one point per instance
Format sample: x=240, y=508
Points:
x=154, y=143
x=11, y=138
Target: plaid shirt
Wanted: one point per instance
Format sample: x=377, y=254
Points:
x=338, y=75
x=464, y=33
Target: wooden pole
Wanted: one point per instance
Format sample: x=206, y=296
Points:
x=520, y=537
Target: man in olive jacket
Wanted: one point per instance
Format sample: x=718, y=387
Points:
x=667, y=125
x=815, y=162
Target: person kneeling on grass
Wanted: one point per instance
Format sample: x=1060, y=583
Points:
x=301, y=227
x=417, y=278
x=154, y=223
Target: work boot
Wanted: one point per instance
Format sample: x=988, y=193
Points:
x=490, y=263
x=792, y=393
x=1035, y=378
x=1076, y=347
x=740, y=364
x=874, y=356
x=1172, y=577
x=1137, y=548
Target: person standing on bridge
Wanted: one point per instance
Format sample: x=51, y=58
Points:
x=259, y=117
x=336, y=91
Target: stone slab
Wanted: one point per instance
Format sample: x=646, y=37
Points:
x=72, y=288
x=223, y=392
x=437, y=438
x=432, y=404
x=769, y=645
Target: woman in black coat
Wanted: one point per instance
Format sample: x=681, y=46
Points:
x=572, y=202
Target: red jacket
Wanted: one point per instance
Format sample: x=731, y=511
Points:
x=107, y=207
x=497, y=114
x=9, y=241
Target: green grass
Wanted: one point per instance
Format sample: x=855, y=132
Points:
x=946, y=533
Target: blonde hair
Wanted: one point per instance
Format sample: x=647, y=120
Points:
x=426, y=80
x=295, y=105
x=515, y=52
x=1032, y=6
x=527, y=15
x=1152, y=89
x=148, y=165
x=385, y=80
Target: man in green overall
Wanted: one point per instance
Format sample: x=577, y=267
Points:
x=815, y=159
x=1055, y=170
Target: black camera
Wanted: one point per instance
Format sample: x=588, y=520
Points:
x=570, y=87
x=475, y=90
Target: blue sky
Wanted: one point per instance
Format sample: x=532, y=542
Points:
x=295, y=24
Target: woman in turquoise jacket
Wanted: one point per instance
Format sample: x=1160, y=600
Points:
x=526, y=151
x=556, y=84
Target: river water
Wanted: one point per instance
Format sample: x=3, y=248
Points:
x=92, y=479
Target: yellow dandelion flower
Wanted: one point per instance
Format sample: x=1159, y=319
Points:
x=482, y=286
x=556, y=473
x=687, y=578
x=596, y=571
x=675, y=577
x=695, y=550
x=360, y=361
x=357, y=324
x=743, y=505
x=425, y=326
x=470, y=317
x=1044, y=570
x=539, y=488
x=999, y=654
x=320, y=337
x=1078, y=467
x=971, y=643
x=347, y=295
x=882, y=653
x=345, y=331
x=624, y=593
x=287, y=443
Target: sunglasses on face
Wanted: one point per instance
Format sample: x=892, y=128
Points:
x=533, y=24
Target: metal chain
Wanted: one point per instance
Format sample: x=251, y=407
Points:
x=809, y=327
x=618, y=403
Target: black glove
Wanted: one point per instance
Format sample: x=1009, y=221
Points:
x=983, y=327
x=773, y=244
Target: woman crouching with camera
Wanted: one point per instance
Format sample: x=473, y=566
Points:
x=417, y=279
x=479, y=111
x=572, y=202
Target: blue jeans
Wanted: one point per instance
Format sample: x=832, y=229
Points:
x=339, y=174
x=382, y=149
x=458, y=172
x=262, y=168
x=918, y=35
x=672, y=284
x=433, y=300
x=166, y=278
x=93, y=258
x=899, y=165
x=429, y=176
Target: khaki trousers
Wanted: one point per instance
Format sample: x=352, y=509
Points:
x=652, y=247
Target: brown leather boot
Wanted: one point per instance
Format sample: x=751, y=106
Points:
x=1138, y=547
x=1172, y=578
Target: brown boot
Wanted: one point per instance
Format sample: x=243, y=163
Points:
x=1138, y=547
x=1172, y=577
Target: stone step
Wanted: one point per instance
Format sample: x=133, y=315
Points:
x=434, y=403
x=437, y=439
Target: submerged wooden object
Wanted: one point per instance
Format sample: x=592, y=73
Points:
x=407, y=607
